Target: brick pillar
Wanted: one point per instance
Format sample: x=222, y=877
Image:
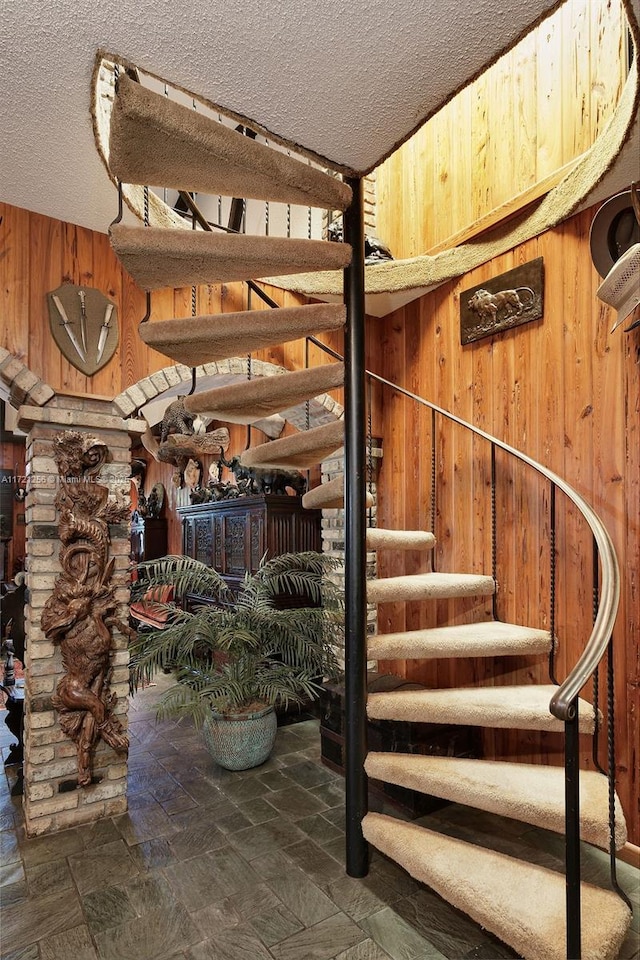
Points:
x=333, y=534
x=52, y=801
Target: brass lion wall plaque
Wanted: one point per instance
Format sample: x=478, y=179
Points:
x=513, y=298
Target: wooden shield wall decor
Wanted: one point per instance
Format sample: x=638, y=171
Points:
x=503, y=302
x=84, y=325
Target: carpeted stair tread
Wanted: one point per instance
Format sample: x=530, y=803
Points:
x=157, y=257
x=489, y=638
x=302, y=450
x=429, y=586
x=380, y=539
x=158, y=142
x=522, y=903
x=196, y=340
x=249, y=400
x=520, y=707
x=330, y=495
x=523, y=791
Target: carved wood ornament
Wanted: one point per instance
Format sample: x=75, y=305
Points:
x=80, y=613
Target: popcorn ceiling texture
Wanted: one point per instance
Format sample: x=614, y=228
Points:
x=388, y=67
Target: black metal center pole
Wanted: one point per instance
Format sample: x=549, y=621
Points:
x=357, y=851
x=572, y=833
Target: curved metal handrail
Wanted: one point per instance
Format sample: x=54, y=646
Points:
x=562, y=703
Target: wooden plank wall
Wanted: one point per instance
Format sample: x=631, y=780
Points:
x=40, y=253
x=563, y=390
x=534, y=110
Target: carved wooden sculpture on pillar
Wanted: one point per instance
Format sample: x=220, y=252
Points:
x=80, y=613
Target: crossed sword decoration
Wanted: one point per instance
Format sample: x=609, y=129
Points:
x=81, y=350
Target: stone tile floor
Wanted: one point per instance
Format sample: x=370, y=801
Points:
x=213, y=865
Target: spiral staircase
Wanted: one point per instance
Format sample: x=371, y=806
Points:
x=538, y=912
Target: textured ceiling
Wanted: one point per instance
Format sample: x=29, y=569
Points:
x=346, y=81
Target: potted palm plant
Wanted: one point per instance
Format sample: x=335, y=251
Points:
x=236, y=656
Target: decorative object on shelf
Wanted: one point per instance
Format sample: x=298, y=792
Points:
x=177, y=419
x=239, y=656
x=80, y=613
x=178, y=448
x=513, y=298
x=155, y=501
x=84, y=325
x=252, y=480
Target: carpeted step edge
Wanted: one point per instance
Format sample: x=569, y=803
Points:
x=429, y=586
x=330, y=495
x=249, y=400
x=301, y=450
x=379, y=538
x=159, y=142
x=155, y=257
x=518, y=707
x=208, y=338
x=532, y=793
x=523, y=904
x=489, y=638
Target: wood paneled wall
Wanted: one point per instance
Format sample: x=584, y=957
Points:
x=534, y=110
x=563, y=390
x=37, y=254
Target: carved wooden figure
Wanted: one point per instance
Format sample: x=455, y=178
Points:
x=80, y=613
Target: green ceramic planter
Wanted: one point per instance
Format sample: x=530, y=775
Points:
x=239, y=742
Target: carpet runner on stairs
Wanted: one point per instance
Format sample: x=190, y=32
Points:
x=302, y=450
x=158, y=142
x=489, y=638
x=196, y=340
x=330, y=496
x=518, y=707
x=521, y=903
x=249, y=400
x=429, y=586
x=529, y=792
x=156, y=257
x=379, y=538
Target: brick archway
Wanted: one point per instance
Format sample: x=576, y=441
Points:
x=21, y=384
x=176, y=379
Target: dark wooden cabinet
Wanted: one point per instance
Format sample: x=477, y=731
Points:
x=233, y=535
x=148, y=538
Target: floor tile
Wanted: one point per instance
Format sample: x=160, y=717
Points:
x=301, y=896
x=398, y=938
x=9, y=848
x=41, y=849
x=102, y=867
x=158, y=933
x=196, y=840
x=25, y=922
x=265, y=838
x=145, y=823
x=366, y=950
x=275, y=925
x=237, y=943
x=295, y=802
x=321, y=941
x=75, y=943
x=42, y=878
x=315, y=862
x=32, y=952
x=11, y=873
x=107, y=907
x=319, y=830
x=354, y=898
